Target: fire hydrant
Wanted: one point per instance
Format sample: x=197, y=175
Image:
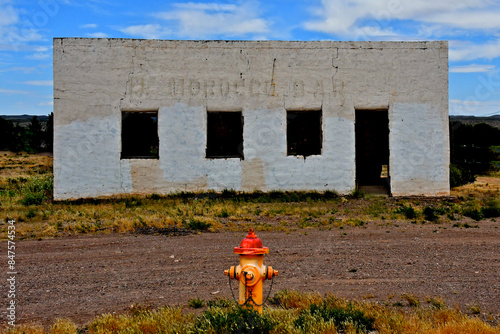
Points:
x=251, y=272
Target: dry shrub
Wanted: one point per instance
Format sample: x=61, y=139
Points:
x=411, y=299
x=294, y=299
x=465, y=326
x=63, y=326
x=163, y=320
x=24, y=329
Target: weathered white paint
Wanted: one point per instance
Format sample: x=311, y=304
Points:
x=96, y=79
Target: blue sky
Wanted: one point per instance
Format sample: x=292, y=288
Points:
x=472, y=28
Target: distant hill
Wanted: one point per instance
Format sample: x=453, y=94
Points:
x=24, y=119
x=493, y=121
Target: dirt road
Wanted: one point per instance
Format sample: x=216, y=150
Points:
x=81, y=277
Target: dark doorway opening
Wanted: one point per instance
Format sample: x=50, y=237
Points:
x=372, y=151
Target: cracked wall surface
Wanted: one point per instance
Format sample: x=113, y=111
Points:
x=96, y=79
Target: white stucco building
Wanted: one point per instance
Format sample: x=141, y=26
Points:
x=155, y=116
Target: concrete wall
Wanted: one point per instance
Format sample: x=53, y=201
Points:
x=96, y=79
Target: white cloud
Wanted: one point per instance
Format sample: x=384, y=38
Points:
x=88, y=26
x=209, y=19
x=15, y=32
x=465, y=50
x=39, y=56
x=24, y=69
x=46, y=103
x=348, y=18
x=207, y=6
x=8, y=16
x=472, y=68
x=153, y=31
x=97, y=35
x=39, y=83
x=41, y=49
x=12, y=92
x=204, y=20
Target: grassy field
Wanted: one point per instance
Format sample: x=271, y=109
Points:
x=290, y=312
x=26, y=184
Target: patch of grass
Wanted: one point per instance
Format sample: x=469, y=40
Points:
x=33, y=199
x=36, y=190
x=221, y=303
x=133, y=202
x=289, y=299
x=437, y=303
x=155, y=197
x=222, y=214
x=473, y=213
x=163, y=320
x=228, y=193
x=465, y=225
x=431, y=214
x=474, y=309
x=356, y=193
x=411, y=299
x=408, y=211
x=491, y=208
x=196, y=303
x=31, y=213
x=235, y=320
x=198, y=225
x=343, y=318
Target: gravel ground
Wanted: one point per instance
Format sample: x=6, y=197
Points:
x=81, y=277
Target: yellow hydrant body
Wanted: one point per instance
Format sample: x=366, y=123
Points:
x=251, y=272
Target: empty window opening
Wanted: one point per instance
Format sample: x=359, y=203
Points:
x=372, y=150
x=140, y=135
x=303, y=132
x=224, y=135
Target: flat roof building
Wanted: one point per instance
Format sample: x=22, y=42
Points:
x=157, y=116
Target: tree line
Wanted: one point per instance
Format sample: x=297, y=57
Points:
x=473, y=150
x=33, y=138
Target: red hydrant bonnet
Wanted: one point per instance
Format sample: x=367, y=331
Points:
x=251, y=245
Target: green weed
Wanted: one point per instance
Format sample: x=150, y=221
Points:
x=473, y=213
x=356, y=193
x=196, y=303
x=408, y=211
x=235, y=320
x=436, y=303
x=342, y=317
x=198, y=225
x=411, y=299
x=430, y=214
x=491, y=209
